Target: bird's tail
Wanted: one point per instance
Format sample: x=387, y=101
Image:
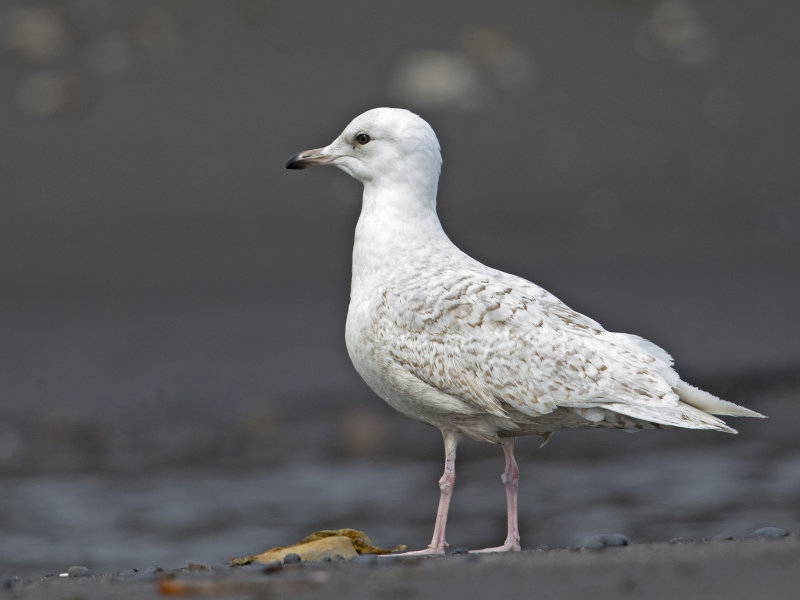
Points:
x=685, y=416
x=711, y=404
x=695, y=411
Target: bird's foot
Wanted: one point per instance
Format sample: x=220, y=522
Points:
x=509, y=546
x=427, y=551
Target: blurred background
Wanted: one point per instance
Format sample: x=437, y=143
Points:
x=174, y=385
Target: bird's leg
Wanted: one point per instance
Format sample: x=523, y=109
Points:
x=510, y=478
x=446, y=485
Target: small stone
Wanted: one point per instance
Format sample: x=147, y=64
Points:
x=468, y=557
x=78, y=571
x=131, y=574
x=10, y=582
x=769, y=532
x=461, y=550
x=606, y=540
x=723, y=537
x=683, y=540
x=292, y=558
x=273, y=566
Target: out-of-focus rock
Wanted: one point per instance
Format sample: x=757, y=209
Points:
x=44, y=94
x=79, y=571
x=35, y=34
x=606, y=540
x=770, y=532
x=675, y=30
x=438, y=79
x=510, y=67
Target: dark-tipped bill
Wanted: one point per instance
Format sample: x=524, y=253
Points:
x=308, y=158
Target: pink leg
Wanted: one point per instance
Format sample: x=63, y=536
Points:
x=510, y=479
x=446, y=485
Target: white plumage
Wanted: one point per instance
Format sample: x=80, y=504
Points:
x=474, y=351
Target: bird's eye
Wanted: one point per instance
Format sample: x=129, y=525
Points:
x=362, y=138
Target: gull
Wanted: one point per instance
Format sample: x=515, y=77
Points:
x=476, y=352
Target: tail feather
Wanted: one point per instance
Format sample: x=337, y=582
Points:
x=711, y=404
x=696, y=410
x=685, y=416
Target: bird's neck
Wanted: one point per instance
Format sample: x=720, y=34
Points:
x=398, y=227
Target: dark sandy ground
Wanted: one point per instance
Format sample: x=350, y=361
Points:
x=731, y=569
x=652, y=487
x=213, y=499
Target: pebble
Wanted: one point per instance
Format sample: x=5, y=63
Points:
x=131, y=574
x=291, y=559
x=461, y=550
x=78, y=571
x=466, y=557
x=10, y=582
x=684, y=540
x=769, y=532
x=606, y=540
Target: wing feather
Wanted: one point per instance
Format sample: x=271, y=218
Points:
x=500, y=343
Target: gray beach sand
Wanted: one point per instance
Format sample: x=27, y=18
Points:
x=731, y=569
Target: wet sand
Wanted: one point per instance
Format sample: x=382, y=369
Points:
x=652, y=487
x=733, y=569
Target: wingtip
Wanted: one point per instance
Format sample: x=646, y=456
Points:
x=709, y=403
x=746, y=412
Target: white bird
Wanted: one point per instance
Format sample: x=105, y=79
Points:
x=476, y=352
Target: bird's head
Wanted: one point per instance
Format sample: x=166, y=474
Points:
x=382, y=144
